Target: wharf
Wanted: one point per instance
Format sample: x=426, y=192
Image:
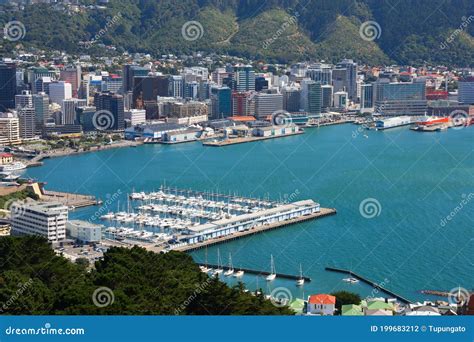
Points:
x=369, y=282
x=259, y=273
x=69, y=199
x=322, y=213
x=243, y=140
x=330, y=123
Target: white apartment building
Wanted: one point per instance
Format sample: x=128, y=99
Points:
x=46, y=219
x=9, y=129
x=84, y=231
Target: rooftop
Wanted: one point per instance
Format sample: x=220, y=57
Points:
x=322, y=299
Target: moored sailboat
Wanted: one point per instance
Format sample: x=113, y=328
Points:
x=272, y=274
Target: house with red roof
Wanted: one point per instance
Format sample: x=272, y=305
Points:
x=321, y=304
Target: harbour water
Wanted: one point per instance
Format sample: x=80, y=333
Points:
x=413, y=182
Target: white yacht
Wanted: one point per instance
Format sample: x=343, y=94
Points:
x=15, y=166
x=272, y=274
x=239, y=274
x=300, y=280
x=230, y=271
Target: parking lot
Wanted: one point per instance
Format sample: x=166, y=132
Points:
x=74, y=252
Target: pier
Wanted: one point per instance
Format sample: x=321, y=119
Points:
x=257, y=230
x=235, y=141
x=69, y=199
x=369, y=282
x=258, y=273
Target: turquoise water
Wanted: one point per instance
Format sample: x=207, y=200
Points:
x=418, y=179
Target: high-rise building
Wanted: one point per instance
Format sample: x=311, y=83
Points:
x=113, y=104
x=320, y=73
x=43, y=219
x=405, y=98
x=466, y=90
x=367, y=96
x=148, y=88
x=311, y=97
x=113, y=84
x=267, y=104
x=204, y=91
x=35, y=73
x=24, y=100
x=84, y=90
x=72, y=74
x=42, y=85
x=350, y=81
x=60, y=91
x=85, y=118
x=339, y=79
x=291, y=99
x=129, y=73
x=243, y=104
x=191, y=90
x=244, y=78
x=26, y=116
x=41, y=105
x=69, y=110
x=328, y=96
x=9, y=129
x=221, y=102
x=176, y=86
x=8, y=86
x=315, y=99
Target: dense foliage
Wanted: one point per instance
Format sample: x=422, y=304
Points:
x=345, y=298
x=34, y=280
x=411, y=32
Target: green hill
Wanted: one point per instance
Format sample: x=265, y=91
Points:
x=411, y=32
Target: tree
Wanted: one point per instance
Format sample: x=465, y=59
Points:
x=345, y=298
x=140, y=283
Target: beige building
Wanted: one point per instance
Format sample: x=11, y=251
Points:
x=9, y=129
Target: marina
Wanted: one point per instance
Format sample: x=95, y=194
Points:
x=185, y=220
